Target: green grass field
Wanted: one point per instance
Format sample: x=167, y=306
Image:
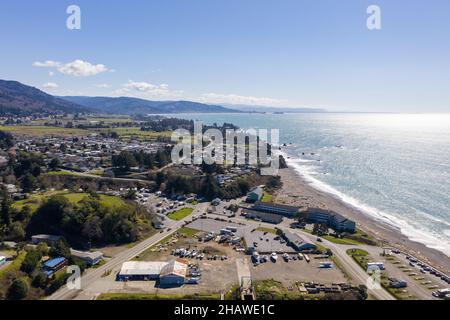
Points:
x=137, y=132
x=343, y=241
x=63, y=173
x=269, y=230
x=180, y=214
x=188, y=231
x=43, y=131
x=361, y=257
x=35, y=200
x=267, y=197
x=11, y=270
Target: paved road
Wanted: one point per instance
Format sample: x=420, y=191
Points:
x=95, y=274
x=87, y=175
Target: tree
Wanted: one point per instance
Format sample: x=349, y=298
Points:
x=39, y=281
x=18, y=289
x=92, y=229
x=243, y=186
x=24, y=214
x=5, y=217
x=125, y=160
x=130, y=195
x=61, y=249
x=211, y=189
x=31, y=261
x=28, y=183
x=43, y=248
x=48, y=218
x=6, y=140
x=54, y=164
x=362, y=292
x=16, y=231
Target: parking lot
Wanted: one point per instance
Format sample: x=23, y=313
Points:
x=421, y=284
x=266, y=242
x=218, y=276
x=288, y=273
x=211, y=225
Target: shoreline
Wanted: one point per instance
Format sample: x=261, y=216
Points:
x=296, y=190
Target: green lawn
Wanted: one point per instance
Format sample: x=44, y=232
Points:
x=136, y=132
x=43, y=131
x=180, y=214
x=269, y=230
x=11, y=270
x=188, y=231
x=267, y=197
x=63, y=173
x=361, y=257
x=344, y=241
x=35, y=200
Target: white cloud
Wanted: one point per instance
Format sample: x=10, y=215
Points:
x=237, y=99
x=77, y=68
x=51, y=73
x=80, y=68
x=50, y=85
x=103, y=85
x=47, y=64
x=148, y=90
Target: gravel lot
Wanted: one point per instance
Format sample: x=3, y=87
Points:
x=297, y=271
x=266, y=243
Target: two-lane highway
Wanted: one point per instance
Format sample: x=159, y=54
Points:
x=95, y=274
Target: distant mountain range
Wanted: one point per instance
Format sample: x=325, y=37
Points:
x=261, y=109
x=19, y=99
x=127, y=105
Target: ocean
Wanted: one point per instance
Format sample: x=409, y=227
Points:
x=393, y=167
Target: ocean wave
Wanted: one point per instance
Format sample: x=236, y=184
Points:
x=434, y=241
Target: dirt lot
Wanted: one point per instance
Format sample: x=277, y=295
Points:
x=217, y=276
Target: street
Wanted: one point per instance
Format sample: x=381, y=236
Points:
x=95, y=274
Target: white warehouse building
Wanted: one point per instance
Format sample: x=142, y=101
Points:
x=141, y=271
x=171, y=273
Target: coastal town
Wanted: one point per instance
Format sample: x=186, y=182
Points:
x=102, y=195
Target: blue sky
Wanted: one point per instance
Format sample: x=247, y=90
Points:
x=282, y=53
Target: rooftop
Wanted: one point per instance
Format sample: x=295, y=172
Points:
x=54, y=262
x=142, y=268
x=177, y=267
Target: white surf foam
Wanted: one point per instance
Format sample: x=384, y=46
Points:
x=430, y=240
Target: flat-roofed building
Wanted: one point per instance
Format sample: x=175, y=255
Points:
x=46, y=238
x=140, y=271
x=298, y=242
x=53, y=265
x=174, y=273
x=255, y=195
x=280, y=209
x=169, y=274
x=331, y=219
x=263, y=216
x=91, y=258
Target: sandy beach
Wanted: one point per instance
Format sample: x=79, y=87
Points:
x=297, y=191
